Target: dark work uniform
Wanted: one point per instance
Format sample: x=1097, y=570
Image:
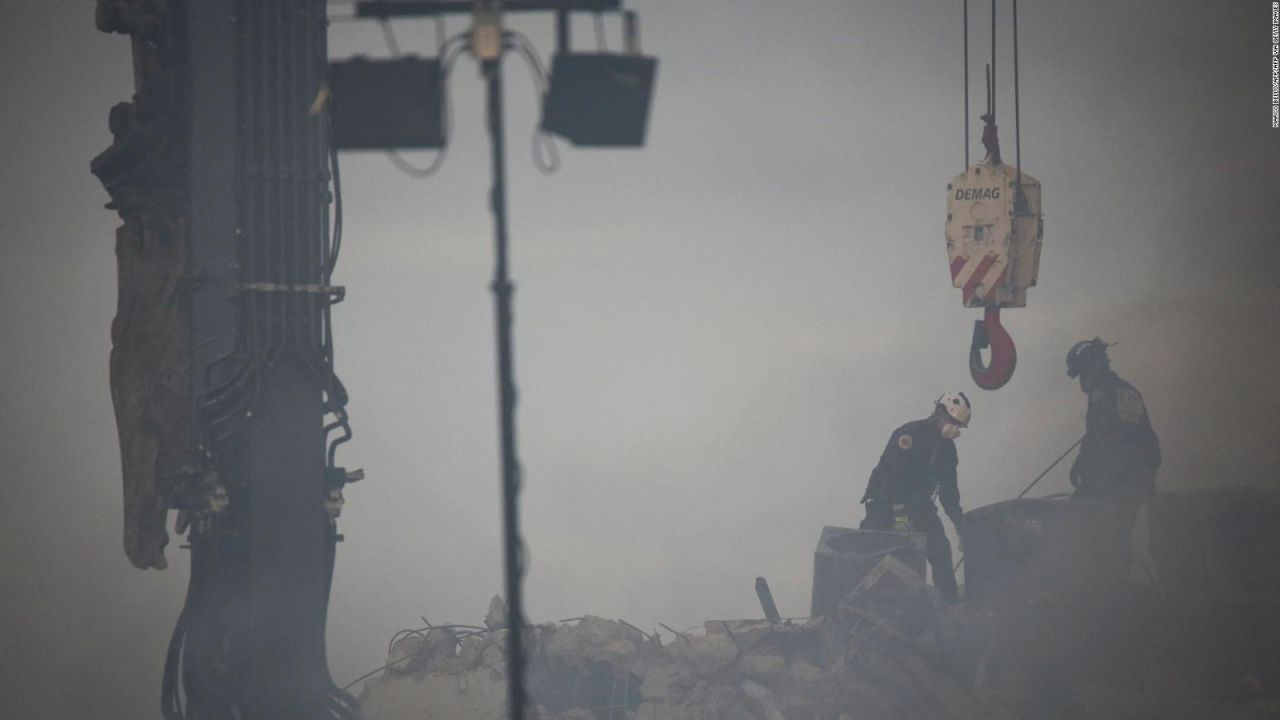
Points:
x=915, y=464
x=1120, y=452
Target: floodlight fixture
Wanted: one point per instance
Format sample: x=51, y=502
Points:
x=601, y=99
x=382, y=104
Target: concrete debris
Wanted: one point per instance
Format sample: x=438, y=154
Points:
x=763, y=667
x=844, y=557
x=595, y=640
x=891, y=575
x=764, y=699
x=872, y=661
x=1032, y=645
x=599, y=669
x=496, y=618
x=433, y=651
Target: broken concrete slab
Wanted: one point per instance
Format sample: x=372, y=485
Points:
x=844, y=556
x=705, y=655
x=763, y=699
x=496, y=618
x=594, y=639
x=891, y=650
x=608, y=669
x=763, y=667
x=889, y=575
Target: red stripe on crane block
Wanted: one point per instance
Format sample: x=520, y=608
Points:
x=957, y=264
x=976, y=278
x=1000, y=279
x=995, y=286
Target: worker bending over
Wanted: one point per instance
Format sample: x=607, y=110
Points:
x=1120, y=452
x=919, y=461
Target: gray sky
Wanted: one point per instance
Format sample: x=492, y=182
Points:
x=715, y=335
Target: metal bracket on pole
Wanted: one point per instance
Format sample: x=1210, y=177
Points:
x=630, y=33
x=486, y=30
x=562, y=31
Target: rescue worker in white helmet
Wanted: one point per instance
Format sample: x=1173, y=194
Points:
x=1120, y=453
x=919, y=461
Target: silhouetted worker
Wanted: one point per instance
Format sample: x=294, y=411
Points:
x=1120, y=452
x=919, y=461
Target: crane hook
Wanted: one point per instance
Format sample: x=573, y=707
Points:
x=988, y=332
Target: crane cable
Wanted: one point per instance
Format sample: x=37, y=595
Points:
x=991, y=79
x=1039, y=477
x=988, y=332
x=966, y=84
x=1019, y=200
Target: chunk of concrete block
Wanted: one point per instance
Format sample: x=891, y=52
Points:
x=763, y=667
x=844, y=556
x=497, y=616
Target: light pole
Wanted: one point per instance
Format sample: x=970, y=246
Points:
x=597, y=100
x=502, y=292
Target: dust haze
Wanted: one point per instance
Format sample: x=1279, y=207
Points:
x=715, y=334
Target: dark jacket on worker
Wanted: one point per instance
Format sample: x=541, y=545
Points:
x=1120, y=452
x=915, y=464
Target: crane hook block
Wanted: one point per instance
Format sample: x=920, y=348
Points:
x=989, y=333
x=994, y=232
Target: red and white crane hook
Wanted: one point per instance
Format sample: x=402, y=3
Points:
x=994, y=230
x=989, y=333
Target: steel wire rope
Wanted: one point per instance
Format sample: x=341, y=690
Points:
x=277, y=255
x=244, y=376
x=542, y=142
x=598, y=22
x=295, y=219
x=341, y=704
x=301, y=251
x=335, y=399
x=389, y=37
x=1033, y=483
x=966, y=85
x=448, y=50
x=322, y=259
x=1020, y=200
x=315, y=184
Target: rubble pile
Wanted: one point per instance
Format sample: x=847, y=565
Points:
x=1047, y=634
x=888, y=652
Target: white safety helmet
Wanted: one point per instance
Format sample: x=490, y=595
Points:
x=957, y=407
